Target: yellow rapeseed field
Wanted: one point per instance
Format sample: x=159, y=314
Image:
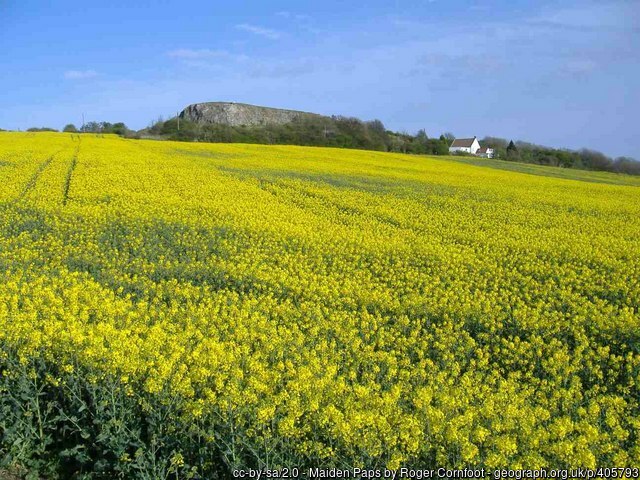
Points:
x=288, y=306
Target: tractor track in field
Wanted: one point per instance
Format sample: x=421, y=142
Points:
x=30, y=185
x=67, y=181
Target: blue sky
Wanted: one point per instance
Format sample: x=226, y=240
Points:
x=558, y=73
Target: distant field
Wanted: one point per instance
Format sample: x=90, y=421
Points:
x=566, y=173
x=168, y=309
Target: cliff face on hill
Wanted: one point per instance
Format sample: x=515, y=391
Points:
x=236, y=114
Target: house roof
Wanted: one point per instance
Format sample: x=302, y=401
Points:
x=463, y=142
x=484, y=149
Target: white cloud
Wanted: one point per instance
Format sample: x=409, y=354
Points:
x=263, y=32
x=80, y=74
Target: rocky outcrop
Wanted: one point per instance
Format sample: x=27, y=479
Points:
x=236, y=114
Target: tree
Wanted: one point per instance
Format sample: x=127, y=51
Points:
x=594, y=160
x=41, y=129
x=70, y=127
x=494, y=142
x=119, y=129
x=566, y=159
x=376, y=126
x=421, y=136
x=377, y=135
x=512, y=151
x=91, y=127
x=419, y=143
x=105, y=127
x=627, y=165
x=441, y=148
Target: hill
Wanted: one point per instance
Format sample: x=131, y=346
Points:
x=241, y=114
x=240, y=123
x=187, y=309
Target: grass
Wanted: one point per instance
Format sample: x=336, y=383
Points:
x=546, y=171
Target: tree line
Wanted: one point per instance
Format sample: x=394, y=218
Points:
x=336, y=131
x=585, y=159
x=118, y=128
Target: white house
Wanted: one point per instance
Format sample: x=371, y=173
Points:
x=468, y=145
x=485, y=152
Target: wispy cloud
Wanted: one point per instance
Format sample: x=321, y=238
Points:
x=80, y=74
x=282, y=69
x=203, y=53
x=580, y=66
x=616, y=16
x=192, y=54
x=300, y=21
x=208, y=59
x=263, y=32
x=293, y=16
